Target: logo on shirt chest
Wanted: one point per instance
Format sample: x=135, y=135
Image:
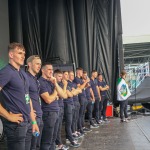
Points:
x=27, y=98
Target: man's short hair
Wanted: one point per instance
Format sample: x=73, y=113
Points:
x=93, y=71
x=100, y=74
x=79, y=69
x=70, y=71
x=58, y=71
x=84, y=72
x=31, y=58
x=123, y=72
x=45, y=64
x=15, y=45
x=64, y=71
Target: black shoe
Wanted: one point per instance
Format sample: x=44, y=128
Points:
x=94, y=126
x=74, y=144
x=82, y=132
x=86, y=130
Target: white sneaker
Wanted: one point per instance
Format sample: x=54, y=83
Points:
x=126, y=120
x=68, y=142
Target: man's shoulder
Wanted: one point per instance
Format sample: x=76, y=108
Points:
x=6, y=68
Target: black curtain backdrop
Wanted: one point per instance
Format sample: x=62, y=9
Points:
x=85, y=32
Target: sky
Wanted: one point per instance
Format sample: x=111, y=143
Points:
x=135, y=17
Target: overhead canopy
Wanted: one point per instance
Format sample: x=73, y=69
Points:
x=85, y=32
x=137, y=52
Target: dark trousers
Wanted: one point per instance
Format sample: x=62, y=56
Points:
x=75, y=116
x=61, y=115
x=36, y=141
x=96, y=107
x=103, y=107
x=68, y=111
x=83, y=104
x=123, y=109
x=89, y=112
x=18, y=135
x=50, y=120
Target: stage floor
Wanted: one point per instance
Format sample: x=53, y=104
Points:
x=134, y=135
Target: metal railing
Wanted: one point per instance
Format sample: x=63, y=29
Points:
x=136, y=74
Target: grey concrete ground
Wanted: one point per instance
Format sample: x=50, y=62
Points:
x=134, y=135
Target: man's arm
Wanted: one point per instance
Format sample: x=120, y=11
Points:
x=82, y=86
x=98, y=91
x=17, y=118
x=33, y=119
x=62, y=91
x=76, y=91
x=49, y=98
x=10, y=116
x=69, y=93
x=92, y=94
x=103, y=88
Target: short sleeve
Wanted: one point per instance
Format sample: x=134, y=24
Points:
x=5, y=76
x=43, y=88
x=100, y=84
x=77, y=81
x=96, y=82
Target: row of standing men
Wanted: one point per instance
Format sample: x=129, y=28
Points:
x=32, y=105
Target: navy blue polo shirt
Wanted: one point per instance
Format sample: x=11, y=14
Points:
x=73, y=85
x=80, y=81
x=69, y=100
x=15, y=86
x=102, y=84
x=94, y=83
x=88, y=94
x=60, y=100
x=47, y=86
x=34, y=89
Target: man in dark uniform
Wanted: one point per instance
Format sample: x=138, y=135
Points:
x=103, y=87
x=58, y=74
x=33, y=68
x=68, y=113
x=94, y=86
x=49, y=91
x=76, y=91
x=82, y=98
x=91, y=100
x=14, y=86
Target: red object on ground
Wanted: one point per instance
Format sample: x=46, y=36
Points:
x=109, y=111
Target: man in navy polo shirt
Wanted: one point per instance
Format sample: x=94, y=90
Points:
x=49, y=91
x=76, y=91
x=82, y=98
x=34, y=66
x=94, y=86
x=103, y=87
x=68, y=112
x=14, y=86
x=58, y=74
x=91, y=100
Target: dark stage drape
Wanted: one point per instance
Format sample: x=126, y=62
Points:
x=87, y=33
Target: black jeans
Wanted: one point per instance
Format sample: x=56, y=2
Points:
x=89, y=112
x=18, y=135
x=51, y=122
x=123, y=109
x=36, y=141
x=96, y=107
x=68, y=111
x=83, y=104
x=103, y=107
x=61, y=115
x=75, y=116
